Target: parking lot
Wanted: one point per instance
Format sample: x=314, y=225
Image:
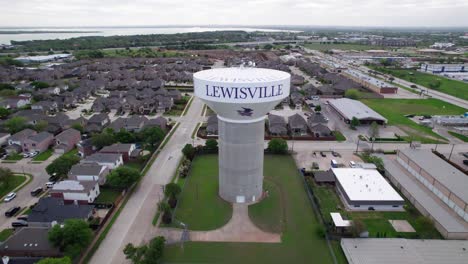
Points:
x=305, y=159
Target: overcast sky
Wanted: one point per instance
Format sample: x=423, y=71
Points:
x=239, y=12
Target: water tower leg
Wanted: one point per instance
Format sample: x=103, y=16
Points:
x=241, y=160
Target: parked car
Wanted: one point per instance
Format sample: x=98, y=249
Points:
x=323, y=154
x=12, y=211
x=10, y=197
x=465, y=162
x=50, y=184
x=335, y=154
x=19, y=223
x=25, y=155
x=33, y=154
x=36, y=191
x=23, y=217
x=465, y=154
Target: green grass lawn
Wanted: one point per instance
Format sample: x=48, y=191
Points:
x=300, y=241
x=339, y=136
x=44, y=155
x=15, y=181
x=5, y=234
x=323, y=47
x=199, y=204
x=453, y=87
x=268, y=213
x=459, y=136
x=14, y=157
x=396, y=109
x=72, y=152
x=375, y=222
x=107, y=195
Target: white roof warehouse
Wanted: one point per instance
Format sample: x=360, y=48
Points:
x=347, y=109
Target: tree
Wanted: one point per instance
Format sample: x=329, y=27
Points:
x=5, y=178
x=4, y=113
x=211, y=144
x=374, y=130
x=165, y=209
x=268, y=47
x=188, y=151
x=16, y=124
x=123, y=177
x=72, y=238
x=151, y=136
x=391, y=79
x=41, y=125
x=146, y=254
x=62, y=165
x=103, y=139
x=352, y=94
x=278, y=146
x=318, y=108
x=357, y=228
x=123, y=136
x=172, y=190
x=78, y=127
x=40, y=85
x=64, y=260
x=354, y=122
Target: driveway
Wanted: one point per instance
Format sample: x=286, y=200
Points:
x=135, y=220
x=24, y=198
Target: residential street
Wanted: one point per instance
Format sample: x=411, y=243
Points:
x=136, y=218
x=24, y=198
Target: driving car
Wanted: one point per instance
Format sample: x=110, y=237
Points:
x=10, y=197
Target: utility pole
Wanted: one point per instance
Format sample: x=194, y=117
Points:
x=453, y=146
x=357, y=145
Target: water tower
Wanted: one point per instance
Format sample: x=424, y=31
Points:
x=241, y=97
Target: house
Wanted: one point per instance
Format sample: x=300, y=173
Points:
x=212, y=126
x=97, y=122
x=14, y=102
x=4, y=138
x=39, y=142
x=50, y=209
x=297, y=124
x=277, y=125
x=159, y=121
x=78, y=192
x=85, y=148
x=67, y=140
x=134, y=123
x=119, y=148
x=110, y=160
x=19, y=137
x=31, y=242
x=46, y=106
x=320, y=130
x=89, y=172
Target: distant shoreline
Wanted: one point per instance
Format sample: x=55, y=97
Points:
x=8, y=32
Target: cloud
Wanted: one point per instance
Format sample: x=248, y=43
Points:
x=234, y=12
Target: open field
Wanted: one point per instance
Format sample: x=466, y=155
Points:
x=199, y=205
x=439, y=83
x=323, y=47
x=396, y=109
x=300, y=241
x=375, y=222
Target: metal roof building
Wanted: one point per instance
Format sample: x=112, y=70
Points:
x=348, y=109
x=400, y=250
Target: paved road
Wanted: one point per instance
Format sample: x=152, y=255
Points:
x=136, y=218
x=24, y=198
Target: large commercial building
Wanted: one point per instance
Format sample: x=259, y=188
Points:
x=241, y=97
x=371, y=83
x=437, y=189
x=365, y=189
x=404, y=251
x=440, y=68
x=348, y=108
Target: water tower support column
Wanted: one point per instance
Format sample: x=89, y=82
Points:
x=241, y=159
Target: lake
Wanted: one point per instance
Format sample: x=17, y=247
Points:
x=111, y=31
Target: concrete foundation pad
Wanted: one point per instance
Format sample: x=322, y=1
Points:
x=402, y=226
